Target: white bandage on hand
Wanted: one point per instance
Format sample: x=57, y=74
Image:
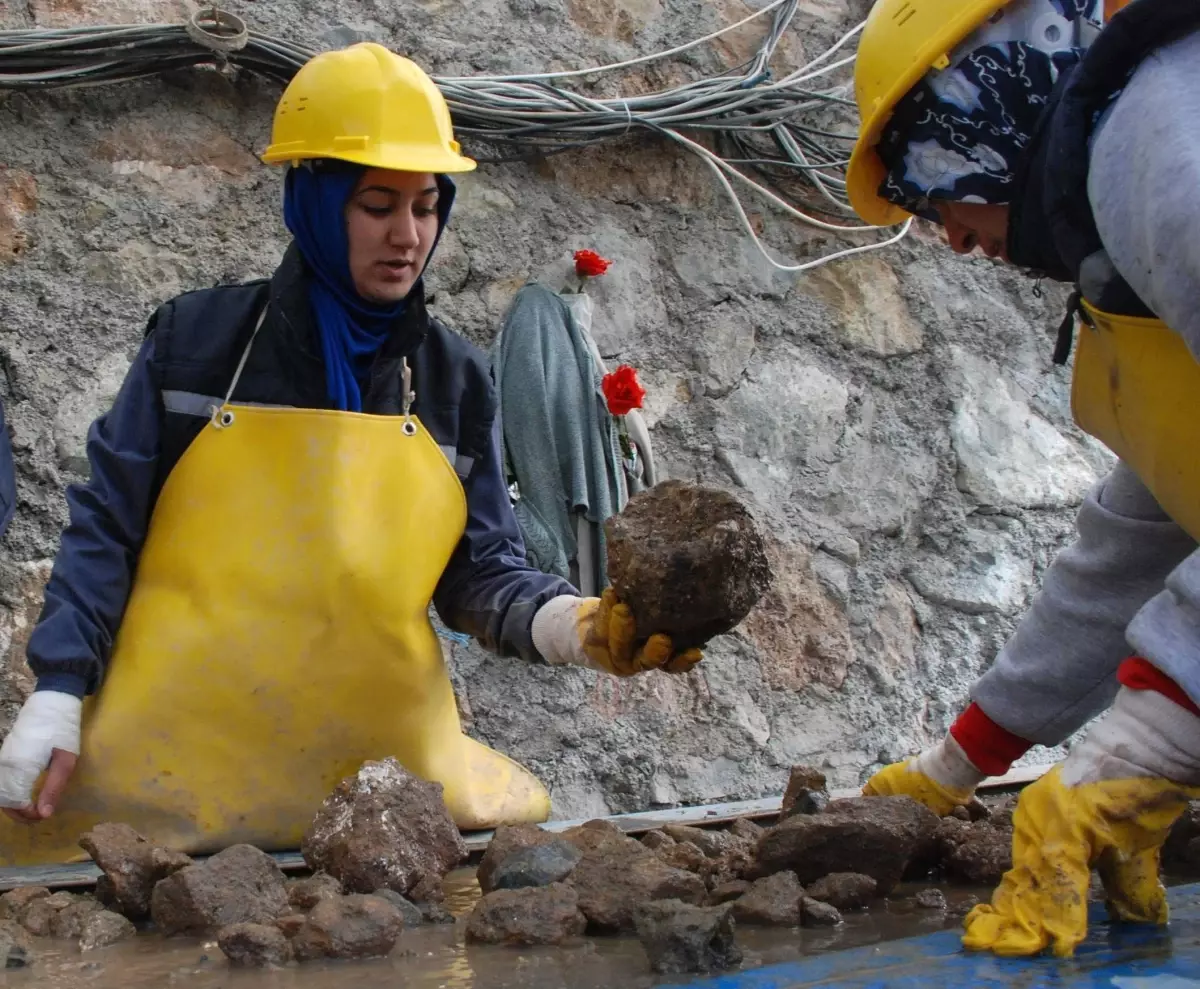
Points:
x=947, y=764
x=49, y=720
x=555, y=632
x=1144, y=734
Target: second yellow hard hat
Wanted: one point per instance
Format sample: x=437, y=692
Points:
x=367, y=105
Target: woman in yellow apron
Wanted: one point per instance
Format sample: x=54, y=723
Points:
x=293, y=471
x=1027, y=131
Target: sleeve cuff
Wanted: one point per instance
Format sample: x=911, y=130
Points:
x=63, y=683
x=991, y=749
x=1137, y=673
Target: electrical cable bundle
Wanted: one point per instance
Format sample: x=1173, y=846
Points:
x=788, y=140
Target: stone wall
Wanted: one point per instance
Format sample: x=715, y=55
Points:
x=896, y=416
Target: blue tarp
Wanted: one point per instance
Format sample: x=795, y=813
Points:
x=1115, y=956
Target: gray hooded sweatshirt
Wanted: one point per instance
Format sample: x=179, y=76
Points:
x=1130, y=582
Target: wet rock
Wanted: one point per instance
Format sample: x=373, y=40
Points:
x=435, y=912
x=38, y=915
x=613, y=880
x=15, y=949
x=746, y=829
x=684, y=855
x=70, y=921
x=657, y=839
x=714, y=844
x=688, y=560
x=409, y=911
x=875, y=836
x=240, y=885
x=931, y=899
x=681, y=938
x=806, y=792
x=772, y=902
x=844, y=890
x=960, y=908
x=254, y=945
x=1000, y=814
x=14, y=902
x=105, y=927
x=814, y=913
x=978, y=853
x=131, y=866
x=384, y=827
x=304, y=894
x=535, y=915
x=736, y=864
x=509, y=838
x=724, y=892
x=289, y=925
x=354, y=926
x=597, y=834
x=1181, y=850
x=537, y=866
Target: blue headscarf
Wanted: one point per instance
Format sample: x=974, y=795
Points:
x=957, y=134
x=351, y=329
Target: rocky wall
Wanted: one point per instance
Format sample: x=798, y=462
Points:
x=896, y=416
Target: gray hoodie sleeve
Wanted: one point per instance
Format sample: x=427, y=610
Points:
x=1130, y=562
x=1058, y=669
x=1143, y=182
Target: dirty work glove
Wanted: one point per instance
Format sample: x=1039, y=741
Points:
x=1110, y=805
x=941, y=778
x=599, y=633
x=45, y=734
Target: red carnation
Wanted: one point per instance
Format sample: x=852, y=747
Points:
x=589, y=264
x=622, y=390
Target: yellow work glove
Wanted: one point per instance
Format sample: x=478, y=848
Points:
x=600, y=634
x=941, y=778
x=1109, y=805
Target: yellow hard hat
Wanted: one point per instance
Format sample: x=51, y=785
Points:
x=366, y=105
x=902, y=40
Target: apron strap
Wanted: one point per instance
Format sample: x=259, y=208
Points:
x=222, y=416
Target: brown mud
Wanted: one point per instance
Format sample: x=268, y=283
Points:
x=436, y=957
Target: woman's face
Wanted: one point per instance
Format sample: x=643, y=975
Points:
x=972, y=225
x=391, y=224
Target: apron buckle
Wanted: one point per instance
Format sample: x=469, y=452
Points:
x=407, y=397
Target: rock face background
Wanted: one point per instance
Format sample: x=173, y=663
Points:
x=896, y=415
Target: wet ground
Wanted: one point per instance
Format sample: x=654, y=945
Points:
x=437, y=958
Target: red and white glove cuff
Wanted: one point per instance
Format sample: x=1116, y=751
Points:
x=991, y=749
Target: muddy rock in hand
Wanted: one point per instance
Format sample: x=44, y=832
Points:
x=533, y=915
x=614, y=879
x=354, y=926
x=105, y=927
x=240, y=885
x=254, y=945
x=977, y=853
x=844, y=890
x=688, y=560
x=537, y=866
x=772, y=902
x=875, y=836
x=15, y=949
x=806, y=792
x=681, y=938
x=385, y=828
x=131, y=866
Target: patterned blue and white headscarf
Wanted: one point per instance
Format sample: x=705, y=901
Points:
x=958, y=133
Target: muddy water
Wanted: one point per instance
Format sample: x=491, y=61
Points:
x=437, y=958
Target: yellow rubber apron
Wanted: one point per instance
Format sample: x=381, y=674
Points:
x=1136, y=388
x=277, y=636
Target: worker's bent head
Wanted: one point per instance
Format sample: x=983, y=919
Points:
x=950, y=92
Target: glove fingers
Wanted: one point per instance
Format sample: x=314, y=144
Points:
x=683, y=662
x=1135, y=893
x=656, y=652
x=621, y=632
x=901, y=780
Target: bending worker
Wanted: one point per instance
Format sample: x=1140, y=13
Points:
x=1070, y=151
x=292, y=470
